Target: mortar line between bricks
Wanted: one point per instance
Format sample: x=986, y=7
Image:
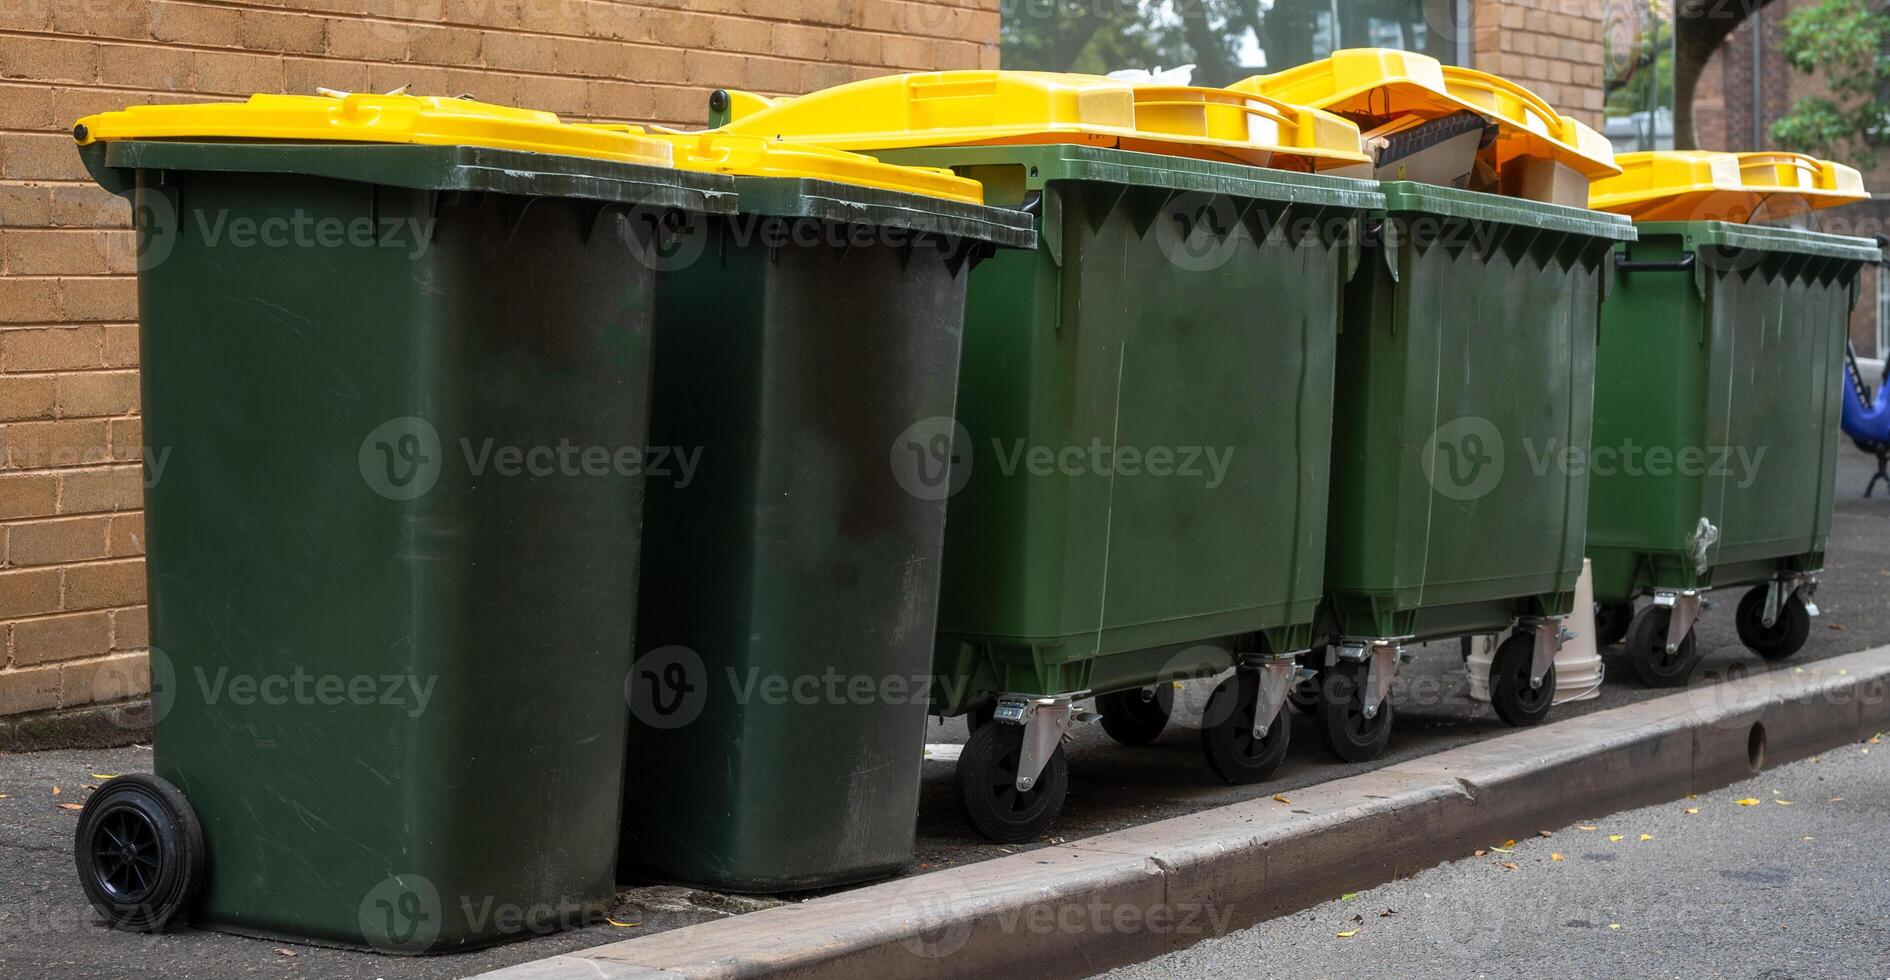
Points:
x=1438, y=807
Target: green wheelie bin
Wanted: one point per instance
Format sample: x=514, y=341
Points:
x=1144, y=409
x=791, y=573
x=385, y=340
x=1465, y=380
x=1717, y=401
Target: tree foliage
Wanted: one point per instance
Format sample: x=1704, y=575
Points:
x=1842, y=43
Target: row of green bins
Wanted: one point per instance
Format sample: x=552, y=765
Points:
x=1466, y=360
x=1717, y=416
x=386, y=648
x=1138, y=484
x=807, y=347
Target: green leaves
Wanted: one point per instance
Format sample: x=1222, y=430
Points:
x=1841, y=42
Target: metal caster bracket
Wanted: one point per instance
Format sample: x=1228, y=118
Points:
x=1549, y=638
x=1047, y=721
x=1686, y=606
x=1277, y=677
x=1781, y=589
x=1383, y=655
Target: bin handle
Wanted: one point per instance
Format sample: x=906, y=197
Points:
x=1681, y=264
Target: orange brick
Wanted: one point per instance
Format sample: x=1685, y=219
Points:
x=773, y=75
x=115, y=488
x=38, y=641
x=453, y=46
x=26, y=107
x=44, y=59
x=121, y=345
x=125, y=537
x=29, y=592
x=682, y=29
x=367, y=40
x=590, y=59
x=87, y=205
x=265, y=30
x=27, y=301
x=94, y=393
x=26, y=206
x=28, y=397
x=552, y=94
x=835, y=12
x=127, y=439
x=66, y=442
x=386, y=78
x=302, y=76
x=102, y=585
x=131, y=628
x=146, y=66
x=237, y=73
x=112, y=298
x=740, y=34
x=17, y=16
x=189, y=23
x=28, y=495
x=518, y=52
x=717, y=70
x=29, y=689
x=39, y=156
x=854, y=48
x=500, y=88
x=58, y=541
x=113, y=678
x=46, y=252
x=619, y=23
x=800, y=41
x=51, y=348
x=101, y=18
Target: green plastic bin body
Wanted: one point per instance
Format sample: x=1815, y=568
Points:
x=1717, y=400
x=786, y=611
x=1148, y=402
x=388, y=635
x=1466, y=372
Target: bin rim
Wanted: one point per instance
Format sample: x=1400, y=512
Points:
x=852, y=204
x=1386, y=81
x=1769, y=238
x=1406, y=196
x=426, y=168
x=999, y=107
x=1679, y=185
x=374, y=119
x=1049, y=163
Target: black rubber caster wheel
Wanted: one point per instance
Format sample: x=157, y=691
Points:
x=1647, y=650
x=1137, y=717
x=1786, y=635
x=140, y=853
x=987, y=786
x=1612, y=621
x=1227, y=733
x=1515, y=701
x=1340, y=714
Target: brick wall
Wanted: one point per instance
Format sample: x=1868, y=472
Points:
x=72, y=619
x=1552, y=47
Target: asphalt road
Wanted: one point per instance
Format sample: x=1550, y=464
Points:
x=47, y=930
x=1790, y=887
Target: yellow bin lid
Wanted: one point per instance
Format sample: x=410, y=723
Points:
x=752, y=156
x=1698, y=185
x=412, y=119
x=964, y=108
x=1382, y=83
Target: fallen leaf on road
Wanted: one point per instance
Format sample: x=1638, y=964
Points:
x=1837, y=799
x=1348, y=896
x=1614, y=838
x=1557, y=857
x=70, y=806
x=1479, y=852
x=623, y=925
x=285, y=952
x=3, y=796
x=1509, y=843
x=1748, y=801
x=1840, y=628
x=1347, y=934
x=107, y=775
x=1544, y=833
x=1388, y=913
x=55, y=791
x=1586, y=827
x=1692, y=810
x=1277, y=798
x=1647, y=837
x=1614, y=925
x=1805, y=838
x=1500, y=850
x=1508, y=866
x=1783, y=802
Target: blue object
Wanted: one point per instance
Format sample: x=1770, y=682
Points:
x=1867, y=420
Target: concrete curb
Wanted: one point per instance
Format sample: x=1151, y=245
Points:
x=1076, y=909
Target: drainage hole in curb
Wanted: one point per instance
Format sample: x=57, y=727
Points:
x=1755, y=746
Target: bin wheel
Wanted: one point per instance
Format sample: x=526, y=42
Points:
x=1342, y=724
x=1647, y=650
x=1787, y=634
x=1612, y=620
x=977, y=718
x=1227, y=733
x=1518, y=704
x=1137, y=717
x=140, y=853
x=987, y=790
